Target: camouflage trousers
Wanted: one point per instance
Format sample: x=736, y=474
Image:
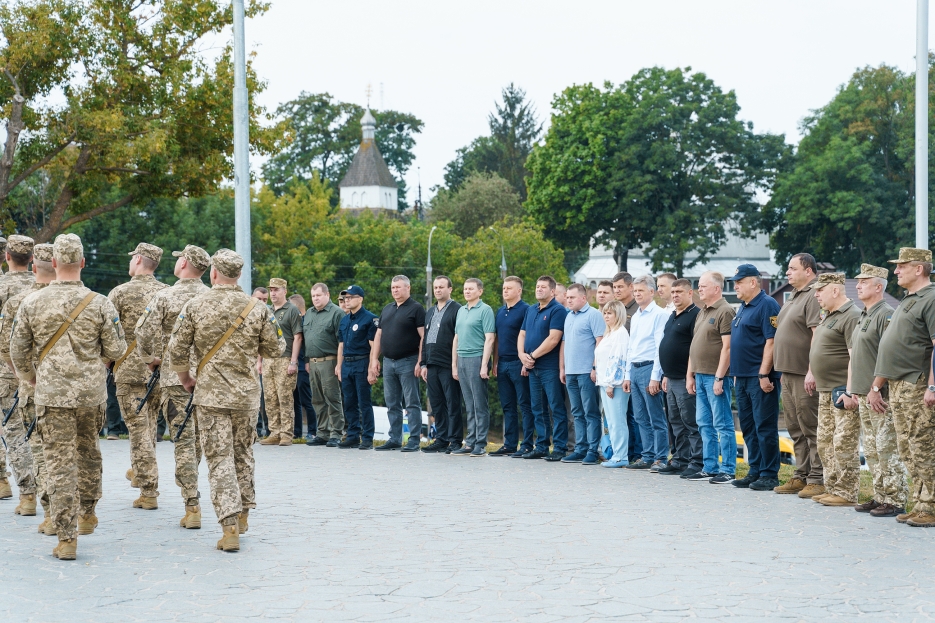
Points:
x=27, y=412
x=839, y=448
x=915, y=438
x=889, y=473
x=14, y=433
x=188, y=447
x=227, y=438
x=277, y=392
x=142, y=429
x=72, y=453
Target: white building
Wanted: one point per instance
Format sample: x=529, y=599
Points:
x=368, y=182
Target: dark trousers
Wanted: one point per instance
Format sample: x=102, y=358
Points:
x=445, y=397
x=634, y=445
x=302, y=399
x=759, y=421
x=358, y=404
x=114, y=423
x=513, y=388
x=686, y=445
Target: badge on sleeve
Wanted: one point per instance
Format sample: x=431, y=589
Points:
x=774, y=321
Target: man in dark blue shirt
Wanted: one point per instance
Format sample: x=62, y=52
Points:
x=355, y=339
x=512, y=379
x=538, y=349
x=755, y=380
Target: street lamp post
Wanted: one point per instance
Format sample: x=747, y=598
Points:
x=428, y=271
x=241, y=149
x=502, y=255
x=922, y=128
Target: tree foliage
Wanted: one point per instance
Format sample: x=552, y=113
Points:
x=482, y=200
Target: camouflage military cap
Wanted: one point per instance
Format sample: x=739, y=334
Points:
x=42, y=252
x=276, y=282
x=826, y=279
x=868, y=271
x=197, y=256
x=910, y=254
x=2, y=244
x=20, y=244
x=227, y=262
x=68, y=249
x=147, y=250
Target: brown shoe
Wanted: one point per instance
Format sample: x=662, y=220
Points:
x=66, y=549
x=192, y=518
x=836, y=500
x=886, y=510
x=922, y=520
x=27, y=505
x=283, y=441
x=811, y=490
x=87, y=524
x=47, y=527
x=242, y=524
x=866, y=507
x=904, y=517
x=146, y=503
x=131, y=476
x=230, y=542
x=793, y=486
x=819, y=497
x=5, y=491
x=272, y=440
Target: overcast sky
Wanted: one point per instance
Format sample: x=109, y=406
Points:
x=446, y=62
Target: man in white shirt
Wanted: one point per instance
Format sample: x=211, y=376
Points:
x=643, y=375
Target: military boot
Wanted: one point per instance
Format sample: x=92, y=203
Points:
x=905, y=517
x=66, y=549
x=131, y=476
x=836, y=500
x=811, y=490
x=192, y=518
x=87, y=524
x=5, y=491
x=146, y=503
x=922, y=520
x=27, y=505
x=242, y=520
x=793, y=486
x=230, y=542
x=272, y=440
x=47, y=527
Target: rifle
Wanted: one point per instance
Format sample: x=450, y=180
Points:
x=32, y=427
x=7, y=414
x=188, y=413
x=150, y=386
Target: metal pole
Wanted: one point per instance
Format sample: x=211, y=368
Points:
x=428, y=271
x=502, y=255
x=922, y=126
x=241, y=149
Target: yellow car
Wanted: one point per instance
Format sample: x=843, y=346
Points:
x=786, y=449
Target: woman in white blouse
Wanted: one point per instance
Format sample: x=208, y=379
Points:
x=609, y=359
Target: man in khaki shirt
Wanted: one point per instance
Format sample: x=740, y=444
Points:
x=794, y=331
x=838, y=429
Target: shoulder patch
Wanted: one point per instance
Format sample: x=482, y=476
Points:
x=376, y=322
x=774, y=321
x=116, y=319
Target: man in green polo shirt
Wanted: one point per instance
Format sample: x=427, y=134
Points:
x=321, y=328
x=905, y=361
x=838, y=429
x=475, y=331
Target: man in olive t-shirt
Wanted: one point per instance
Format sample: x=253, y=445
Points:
x=795, y=327
x=838, y=429
x=905, y=361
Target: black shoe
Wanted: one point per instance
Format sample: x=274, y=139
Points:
x=503, y=451
x=350, y=442
x=746, y=481
x=462, y=451
x=519, y=454
x=535, y=454
x=722, y=479
x=699, y=476
x=366, y=445
x=764, y=484
x=554, y=456
x=454, y=445
x=333, y=443
x=436, y=446
x=390, y=445
x=412, y=445
x=640, y=464
x=671, y=470
x=316, y=441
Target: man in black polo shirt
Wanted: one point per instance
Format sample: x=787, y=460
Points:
x=399, y=339
x=444, y=392
x=673, y=357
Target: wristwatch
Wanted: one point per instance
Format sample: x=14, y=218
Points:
x=293, y=363
x=763, y=376
x=718, y=379
x=875, y=388
x=932, y=388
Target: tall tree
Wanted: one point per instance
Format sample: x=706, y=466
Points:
x=142, y=115
x=481, y=201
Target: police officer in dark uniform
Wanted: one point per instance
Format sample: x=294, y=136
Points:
x=355, y=339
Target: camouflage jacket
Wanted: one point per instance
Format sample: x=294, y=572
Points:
x=130, y=299
x=229, y=380
x=10, y=285
x=7, y=316
x=155, y=325
x=72, y=374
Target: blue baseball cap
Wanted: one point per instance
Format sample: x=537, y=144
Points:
x=354, y=291
x=744, y=270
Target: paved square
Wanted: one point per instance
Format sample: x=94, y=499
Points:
x=372, y=536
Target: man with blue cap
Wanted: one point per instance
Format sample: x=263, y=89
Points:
x=355, y=339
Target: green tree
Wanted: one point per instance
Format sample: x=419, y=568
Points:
x=482, y=200
x=142, y=115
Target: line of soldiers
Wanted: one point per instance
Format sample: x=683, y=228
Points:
x=64, y=341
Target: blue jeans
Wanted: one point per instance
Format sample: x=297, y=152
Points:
x=401, y=390
x=546, y=382
x=758, y=413
x=358, y=407
x=582, y=393
x=513, y=388
x=649, y=414
x=615, y=410
x=716, y=425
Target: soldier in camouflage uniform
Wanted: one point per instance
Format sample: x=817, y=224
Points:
x=877, y=429
x=838, y=429
x=70, y=382
x=18, y=255
x=42, y=268
x=227, y=393
x=152, y=336
x=281, y=373
x=131, y=374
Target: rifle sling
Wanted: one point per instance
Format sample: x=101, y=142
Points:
x=68, y=322
x=124, y=356
x=230, y=331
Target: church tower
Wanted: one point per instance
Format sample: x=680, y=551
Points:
x=368, y=182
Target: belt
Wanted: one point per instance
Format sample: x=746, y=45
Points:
x=508, y=358
x=640, y=364
x=350, y=359
x=320, y=359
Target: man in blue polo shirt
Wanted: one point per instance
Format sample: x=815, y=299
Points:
x=755, y=380
x=512, y=378
x=538, y=345
x=355, y=338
